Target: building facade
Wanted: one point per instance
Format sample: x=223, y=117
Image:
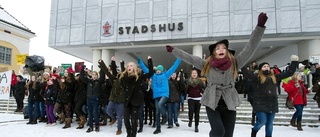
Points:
x=14, y=40
x=127, y=29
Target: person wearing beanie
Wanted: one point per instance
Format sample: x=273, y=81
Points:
x=265, y=97
x=221, y=98
x=160, y=86
x=304, y=74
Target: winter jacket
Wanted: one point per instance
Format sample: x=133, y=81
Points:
x=106, y=87
x=14, y=80
x=93, y=86
x=117, y=93
x=265, y=97
x=294, y=93
x=134, y=91
x=20, y=90
x=80, y=91
x=34, y=93
x=196, y=91
x=220, y=84
x=50, y=94
x=160, y=83
x=66, y=95
x=174, y=91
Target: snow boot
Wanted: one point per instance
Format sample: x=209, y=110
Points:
x=299, y=126
x=293, y=122
x=67, y=123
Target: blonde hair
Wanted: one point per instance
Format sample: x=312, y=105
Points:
x=263, y=78
x=135, y=71
x=295, y=75
x=206, y=67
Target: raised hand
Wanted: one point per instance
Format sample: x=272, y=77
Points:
x=262, y=19
x=169, y=48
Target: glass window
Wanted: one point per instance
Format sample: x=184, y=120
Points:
x=5, y=55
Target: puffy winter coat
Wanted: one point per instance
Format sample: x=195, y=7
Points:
x=265, y=97
x=294, y=93
x=160, y=83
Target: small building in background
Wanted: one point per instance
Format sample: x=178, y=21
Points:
x=14, y=40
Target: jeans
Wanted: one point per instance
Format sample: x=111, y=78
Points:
x=222, y=122
x=173, y=108
x=298, y=114
x=115, y=110
x=182, y=98
x=264, y=119
x=42, y=109
x=33, y=115
x=159, y=103
x=93, y=111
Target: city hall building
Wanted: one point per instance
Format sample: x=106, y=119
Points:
x=128, y=29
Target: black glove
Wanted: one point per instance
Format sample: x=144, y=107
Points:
x=169, y=48
x=262, y=19
x=83, y=67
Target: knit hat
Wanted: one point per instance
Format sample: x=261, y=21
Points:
x=70, y=70
x=55, y=75
x=301, y=65
x=160, y=67
x=46, y=73
x=21, y=78
x=261, y=65
x=225, y=42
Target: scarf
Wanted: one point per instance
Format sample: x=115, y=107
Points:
x=222, y=64
x=193, y=82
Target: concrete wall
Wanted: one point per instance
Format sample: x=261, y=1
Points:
x=281, y=57
x=80, y=22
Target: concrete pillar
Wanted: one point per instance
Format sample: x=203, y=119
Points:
x=106, y=56
x=308, y=48
x=197, y=50
x=95, y=58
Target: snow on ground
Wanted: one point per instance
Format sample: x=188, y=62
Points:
x=13, y=125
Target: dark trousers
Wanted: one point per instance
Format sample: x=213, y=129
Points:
x=19, y=102
x=93, y=111
x=141, y=116
x=222, y=122
x=131, y=114
x=149, y=111
x=33, y=110
x=50, y=114
x=194, y=108
x=78, y=108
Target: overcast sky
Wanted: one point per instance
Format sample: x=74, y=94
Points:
x=35, y=14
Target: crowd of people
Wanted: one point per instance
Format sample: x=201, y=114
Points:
x=137, y=93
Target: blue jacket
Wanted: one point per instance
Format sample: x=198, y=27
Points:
x=160, y=82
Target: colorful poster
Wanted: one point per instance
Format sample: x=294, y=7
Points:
x=5, y=84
